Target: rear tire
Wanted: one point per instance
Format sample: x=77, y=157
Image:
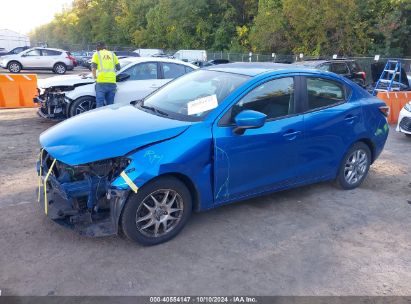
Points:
x=157, y=212
x=81, y=105
x=60, y=68
x=14, y=67
x=354, y=166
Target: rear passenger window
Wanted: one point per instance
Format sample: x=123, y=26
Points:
x=324, y=93
x=50, y=53
x=340, y=68
x=172, y=70
x=325, y=67
x=274, y=98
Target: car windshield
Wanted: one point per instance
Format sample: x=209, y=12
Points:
x=123, y=63
x=192, y=96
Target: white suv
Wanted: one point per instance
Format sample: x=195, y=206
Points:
x=57, y=60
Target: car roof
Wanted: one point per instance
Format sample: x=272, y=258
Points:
x=252, y=68
x=51, y=49
x=159, y=59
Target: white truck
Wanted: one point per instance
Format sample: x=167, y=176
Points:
x=10, y=40
x=191, y=55
x=148, y=52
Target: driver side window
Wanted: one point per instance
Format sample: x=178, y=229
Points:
x=274, y=98
x=142, y=71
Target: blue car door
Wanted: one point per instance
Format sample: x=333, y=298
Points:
x=332, y=123
x=260, y=159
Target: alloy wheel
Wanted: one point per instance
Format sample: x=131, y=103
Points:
x=14, y=67
x=60, y=69
x=159, y=213
x=85, y=106
x=355, y=166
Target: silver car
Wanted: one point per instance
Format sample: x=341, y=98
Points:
x=59, y=61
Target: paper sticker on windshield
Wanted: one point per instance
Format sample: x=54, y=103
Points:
x=202, y=104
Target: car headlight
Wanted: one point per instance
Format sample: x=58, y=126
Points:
x=408, y=106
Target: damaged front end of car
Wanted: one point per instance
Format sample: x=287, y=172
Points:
x=81, y=197
x=53, y=103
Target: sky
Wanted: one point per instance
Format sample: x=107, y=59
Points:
x=24, y=15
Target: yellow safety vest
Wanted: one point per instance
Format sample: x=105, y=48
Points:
x=106, y=62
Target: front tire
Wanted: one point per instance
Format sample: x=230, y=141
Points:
x=60, y=68
x=354, y=167
x=81, y=105
x=157, y=212
x=14, y=67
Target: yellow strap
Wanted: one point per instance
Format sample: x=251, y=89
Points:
x=129, y=182
x=46, y=205
x=41, y=167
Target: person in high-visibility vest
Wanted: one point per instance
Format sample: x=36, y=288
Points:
x=103, y=66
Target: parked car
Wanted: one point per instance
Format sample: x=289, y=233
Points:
x=38, y=59
x=211, y=137
x=126, y=54
x=119, y=54
x=404, y=120
x=349, y=68
x=61, y=97
x=73, y=59
x=14, y=51
x=203, y=64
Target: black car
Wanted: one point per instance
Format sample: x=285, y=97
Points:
x=14, y=51
x=126, y=54
x=203, y=64
x=348, y=68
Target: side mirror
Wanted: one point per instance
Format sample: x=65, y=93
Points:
x=122, y=77
x=249, y=119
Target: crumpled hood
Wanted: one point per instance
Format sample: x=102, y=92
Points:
x=63, y=80
x=107, y=132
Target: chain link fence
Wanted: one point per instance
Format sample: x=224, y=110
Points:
x=364, y=62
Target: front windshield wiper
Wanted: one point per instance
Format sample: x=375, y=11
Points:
x=153, y=109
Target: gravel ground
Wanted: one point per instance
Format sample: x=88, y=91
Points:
x=315, y=240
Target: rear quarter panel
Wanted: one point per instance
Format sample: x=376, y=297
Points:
x=376, y=125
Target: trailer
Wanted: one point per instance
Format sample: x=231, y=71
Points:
x=10, y=40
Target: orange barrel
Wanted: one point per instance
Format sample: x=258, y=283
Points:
x=17, y=90
x=9, y=91
x=396, y=101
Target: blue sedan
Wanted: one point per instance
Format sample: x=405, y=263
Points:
x=209, y=138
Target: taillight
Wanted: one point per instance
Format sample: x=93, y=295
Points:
x=385, y=110
x=363, y=75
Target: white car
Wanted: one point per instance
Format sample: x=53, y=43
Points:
x=56, y=60
x=65, y=96
x=404, y=120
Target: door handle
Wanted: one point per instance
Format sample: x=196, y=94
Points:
x=291, y=134
x=350, y=118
